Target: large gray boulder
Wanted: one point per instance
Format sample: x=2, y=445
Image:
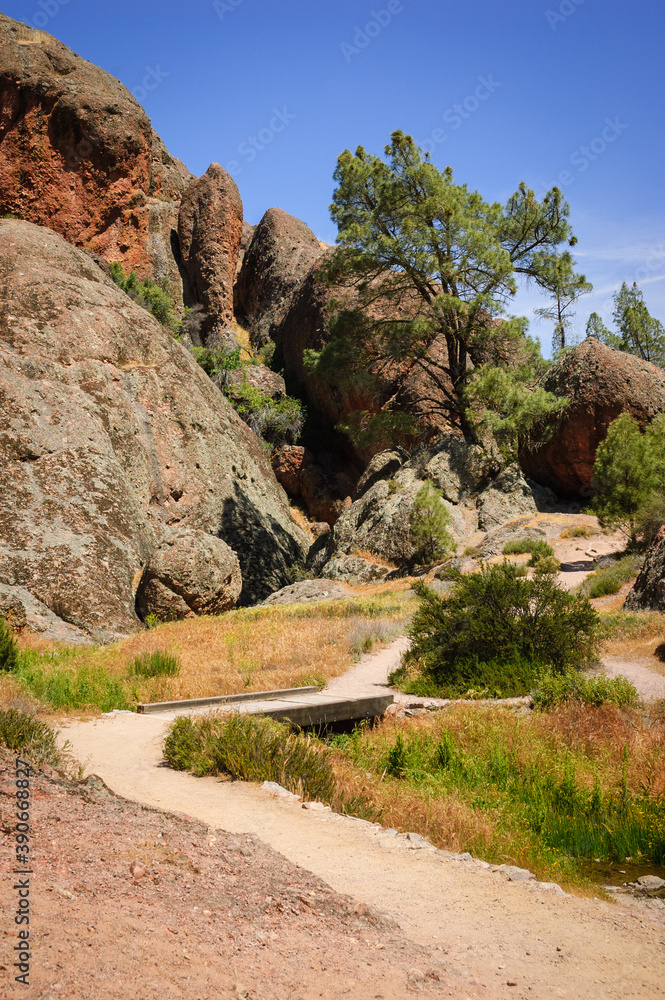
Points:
x=191, y=573
x=111, y=436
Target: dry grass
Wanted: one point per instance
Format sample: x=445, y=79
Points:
x=254, y=649
x=301, y=519
x=636, y=636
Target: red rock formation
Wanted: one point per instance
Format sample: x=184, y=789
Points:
x=78, y=154
x=601, y=384
x=210, y=231
x=405, y=387
x=288, y=463
x=282, y=251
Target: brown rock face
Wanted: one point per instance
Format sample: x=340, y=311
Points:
x=111, y=437
x=601, y=384
x=191, y=573
x=648, y=593
x=282, y=251
x=78, y=154
x=327, y=496
x=407, y=387
x=288, y=464
x=210, y=231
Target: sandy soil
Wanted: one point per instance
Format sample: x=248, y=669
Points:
x=494, y=930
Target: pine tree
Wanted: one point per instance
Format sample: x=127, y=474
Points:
x=596, y=328
x=640, y=333
x=429, y=522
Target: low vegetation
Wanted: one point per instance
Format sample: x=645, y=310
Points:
x=277, y=421
x=31, y=738
x=544, y=790
x=555, y=690
x=253, y=649
x=9, y=656
x=610, y=579
x=252, y=749
x=154, y=296
x=542, y=555
x=494, y=635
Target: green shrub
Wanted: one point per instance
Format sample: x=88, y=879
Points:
x=21, y=733
x=579, y=531
x=494, y=617
x=9, y=657
x=252, y=749
x=473, y=678
x=155, y=664
x=277, y=421
x=518, y=546
x=540, y=550
x=611, y=579
x=216, y=361
x=428, y=523
x=546, y=564
x=153, y=296
x=554, y=690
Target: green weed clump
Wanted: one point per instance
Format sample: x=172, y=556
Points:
x=518, y=546
x=497, y=631
x=153, y=296
x=556, y=690
x=33, y=739
x=252, y=749
x=9, y=656
x=155, y=664
x=611, y=579
x=75, y=687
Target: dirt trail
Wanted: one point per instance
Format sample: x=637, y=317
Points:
x=547, y=944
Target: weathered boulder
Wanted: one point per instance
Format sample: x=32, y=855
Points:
x=288, y=463
x=377, y=524
x=510, y=531
x=210, y=230
x=456, y=468
x=648, y=591
x=190, y=573
x=78, y=154
x=383, y=465
x=306, y=591
x=282, y=251
x=508, y=496
x=111, y=435
x=601, y=384
x=357, y=569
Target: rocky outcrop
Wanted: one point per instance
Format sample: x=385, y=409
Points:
x=288, y=463
x=257, y=377
x=510, y=495
x=190, y=573
x=282, y=252
x=406, y=387
x=648, y=592
x=306, y=591
x=112, y=437
x=210, y=231
x=78, y=154
x=326, y=496
x=601, y=384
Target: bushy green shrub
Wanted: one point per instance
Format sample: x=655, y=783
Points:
x=253, y=749
x=9, y=656
x=277, y=421
x=495, y=617
x=611, y=579
x=21, y=733
x=217, y=361
x=428, y=523
x=518, y=546
x=155, y=664
x=153, y=296
x=558, y=689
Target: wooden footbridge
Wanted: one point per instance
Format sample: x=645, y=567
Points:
x=304, y=706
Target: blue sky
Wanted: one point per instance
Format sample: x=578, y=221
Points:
x=566, y=92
